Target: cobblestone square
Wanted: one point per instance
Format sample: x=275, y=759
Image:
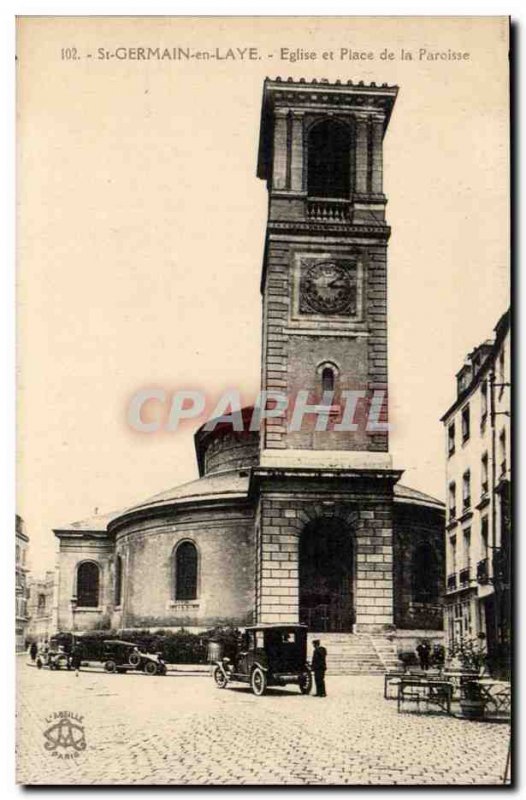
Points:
x=183, y=730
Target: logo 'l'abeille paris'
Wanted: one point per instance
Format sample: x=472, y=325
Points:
x=65, y=736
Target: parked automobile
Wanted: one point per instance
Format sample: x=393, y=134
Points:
x=90, y=644
x=119, y=656
x=53, y=658
x=267, y=655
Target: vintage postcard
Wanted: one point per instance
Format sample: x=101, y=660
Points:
x=263, y=530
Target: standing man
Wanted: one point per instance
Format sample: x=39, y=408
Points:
x=319, y=667
x=424, y=651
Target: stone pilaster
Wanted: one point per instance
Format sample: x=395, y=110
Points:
x=279, y=173
x=278, y=574
x=362, y=147
x=374, y=568
x=296, y=154
x=377, y=155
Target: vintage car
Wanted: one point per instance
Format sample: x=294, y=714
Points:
x=267, y=655
x=119, y=656
x=53, y=658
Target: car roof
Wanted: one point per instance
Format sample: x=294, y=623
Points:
x=270, y=626
x=119, y=641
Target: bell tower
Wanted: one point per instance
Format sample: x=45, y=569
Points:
x=324, y=282
x=324, y=482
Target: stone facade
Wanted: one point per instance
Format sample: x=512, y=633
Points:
x=247, y=525
x=41, y=607
x=21, y=611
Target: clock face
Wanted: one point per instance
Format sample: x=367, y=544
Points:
x=328, y=288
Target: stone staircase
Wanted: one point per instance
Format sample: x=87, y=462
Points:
x=356, y=653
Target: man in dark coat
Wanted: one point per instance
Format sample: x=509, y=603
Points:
x=76, y=658
x=319, y=667
x=424, y=651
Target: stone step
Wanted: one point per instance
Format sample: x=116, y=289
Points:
x=357, y=654
x=350, y=654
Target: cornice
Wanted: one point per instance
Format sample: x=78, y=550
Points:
x=381, y=231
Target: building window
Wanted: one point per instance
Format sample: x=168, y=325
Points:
x=41, y=603
x=484, y=481
x=118, y=581
x=465, y=423
x=483, y=402
x=186, y=571
x=17, y=554
x=452, y=500
x=451, y=439
x=502, y=447
x=466, y=490
x=453, y=554
x=328, y=160
x=466, y=535
x=88, y=584
x=501, y=372
x=424, y=574
x=327, y=379
x=484, y=529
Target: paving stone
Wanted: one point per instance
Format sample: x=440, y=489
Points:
x=182, y=730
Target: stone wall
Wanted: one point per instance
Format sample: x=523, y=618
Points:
x=293, y=349
x=364, y=506
x=416, y=526
x=224, y=538
x=74, y=549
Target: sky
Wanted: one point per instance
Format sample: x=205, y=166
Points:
x=141, y=225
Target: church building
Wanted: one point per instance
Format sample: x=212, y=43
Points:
x=285, y=524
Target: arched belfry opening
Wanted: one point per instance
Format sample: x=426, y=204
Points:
x=329, y=160
x=326, y=575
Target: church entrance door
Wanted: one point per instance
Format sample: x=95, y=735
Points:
x=326, y=576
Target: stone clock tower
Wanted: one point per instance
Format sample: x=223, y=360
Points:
x=325, y=511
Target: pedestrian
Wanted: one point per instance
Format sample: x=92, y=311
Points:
x=33, y=650
x=76, y=658
x=423, y=651
x=319, y=667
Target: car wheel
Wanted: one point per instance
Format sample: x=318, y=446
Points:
x=150, y=668
x=219, y=677
x=258, y=681
x=110, y=666
x=305, y=682
x=134, y=659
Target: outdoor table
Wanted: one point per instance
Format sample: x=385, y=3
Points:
x=496, y=694
x=431, y=691
x=393, y=677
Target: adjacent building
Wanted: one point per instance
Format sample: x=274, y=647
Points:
x=478, y=543
x=289, y=524
x=41, y=607
x=21, y=549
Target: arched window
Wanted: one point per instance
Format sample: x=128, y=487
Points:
x=424, y=569
x=118, y=580
x=328, y=160
x=88, y=584
x=186, y=571
x=327, y=379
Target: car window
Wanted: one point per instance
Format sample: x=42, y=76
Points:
x=289, y=637
x=260, y=637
